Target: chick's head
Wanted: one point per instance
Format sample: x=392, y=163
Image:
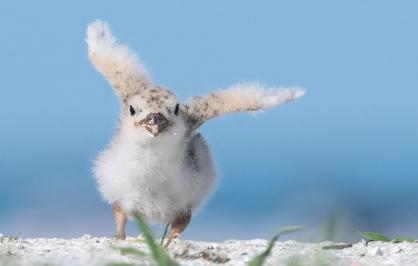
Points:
x=155, y=111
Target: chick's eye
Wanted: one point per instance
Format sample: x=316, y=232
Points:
x=176, y=109
x=131, y=110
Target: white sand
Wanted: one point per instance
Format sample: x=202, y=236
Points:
x=89, y=250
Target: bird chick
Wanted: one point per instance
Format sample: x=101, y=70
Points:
x=157, y=163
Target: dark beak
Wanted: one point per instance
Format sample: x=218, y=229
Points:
x=155, y=123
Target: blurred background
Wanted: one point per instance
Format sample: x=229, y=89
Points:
x=341, y=159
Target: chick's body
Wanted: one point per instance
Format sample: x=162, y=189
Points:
x=159, y=177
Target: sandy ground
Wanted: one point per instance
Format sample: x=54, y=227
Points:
x=88, y=250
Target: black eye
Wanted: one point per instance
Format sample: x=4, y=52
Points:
x=131, y=110
x=176, y=109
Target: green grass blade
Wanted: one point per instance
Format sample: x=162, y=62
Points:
x=290, y=229
x=260, y=259
x=401, y=239
x=159, y=254
x=374, y=236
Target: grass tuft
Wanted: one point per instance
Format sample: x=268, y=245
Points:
x=401, y=239
x=261, y=258
x=372, y=236
x=159, y=254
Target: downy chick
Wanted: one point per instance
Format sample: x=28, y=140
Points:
x=157, y=163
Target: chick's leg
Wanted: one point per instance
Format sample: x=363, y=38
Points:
x=178, y=225
x=120, y=218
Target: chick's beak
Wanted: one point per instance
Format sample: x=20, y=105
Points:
x=154, y=123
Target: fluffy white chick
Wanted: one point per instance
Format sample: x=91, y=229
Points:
x=157, y=163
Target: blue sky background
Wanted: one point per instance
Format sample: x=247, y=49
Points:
x=349, y=148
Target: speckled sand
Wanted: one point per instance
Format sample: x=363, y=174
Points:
x=89, y=250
